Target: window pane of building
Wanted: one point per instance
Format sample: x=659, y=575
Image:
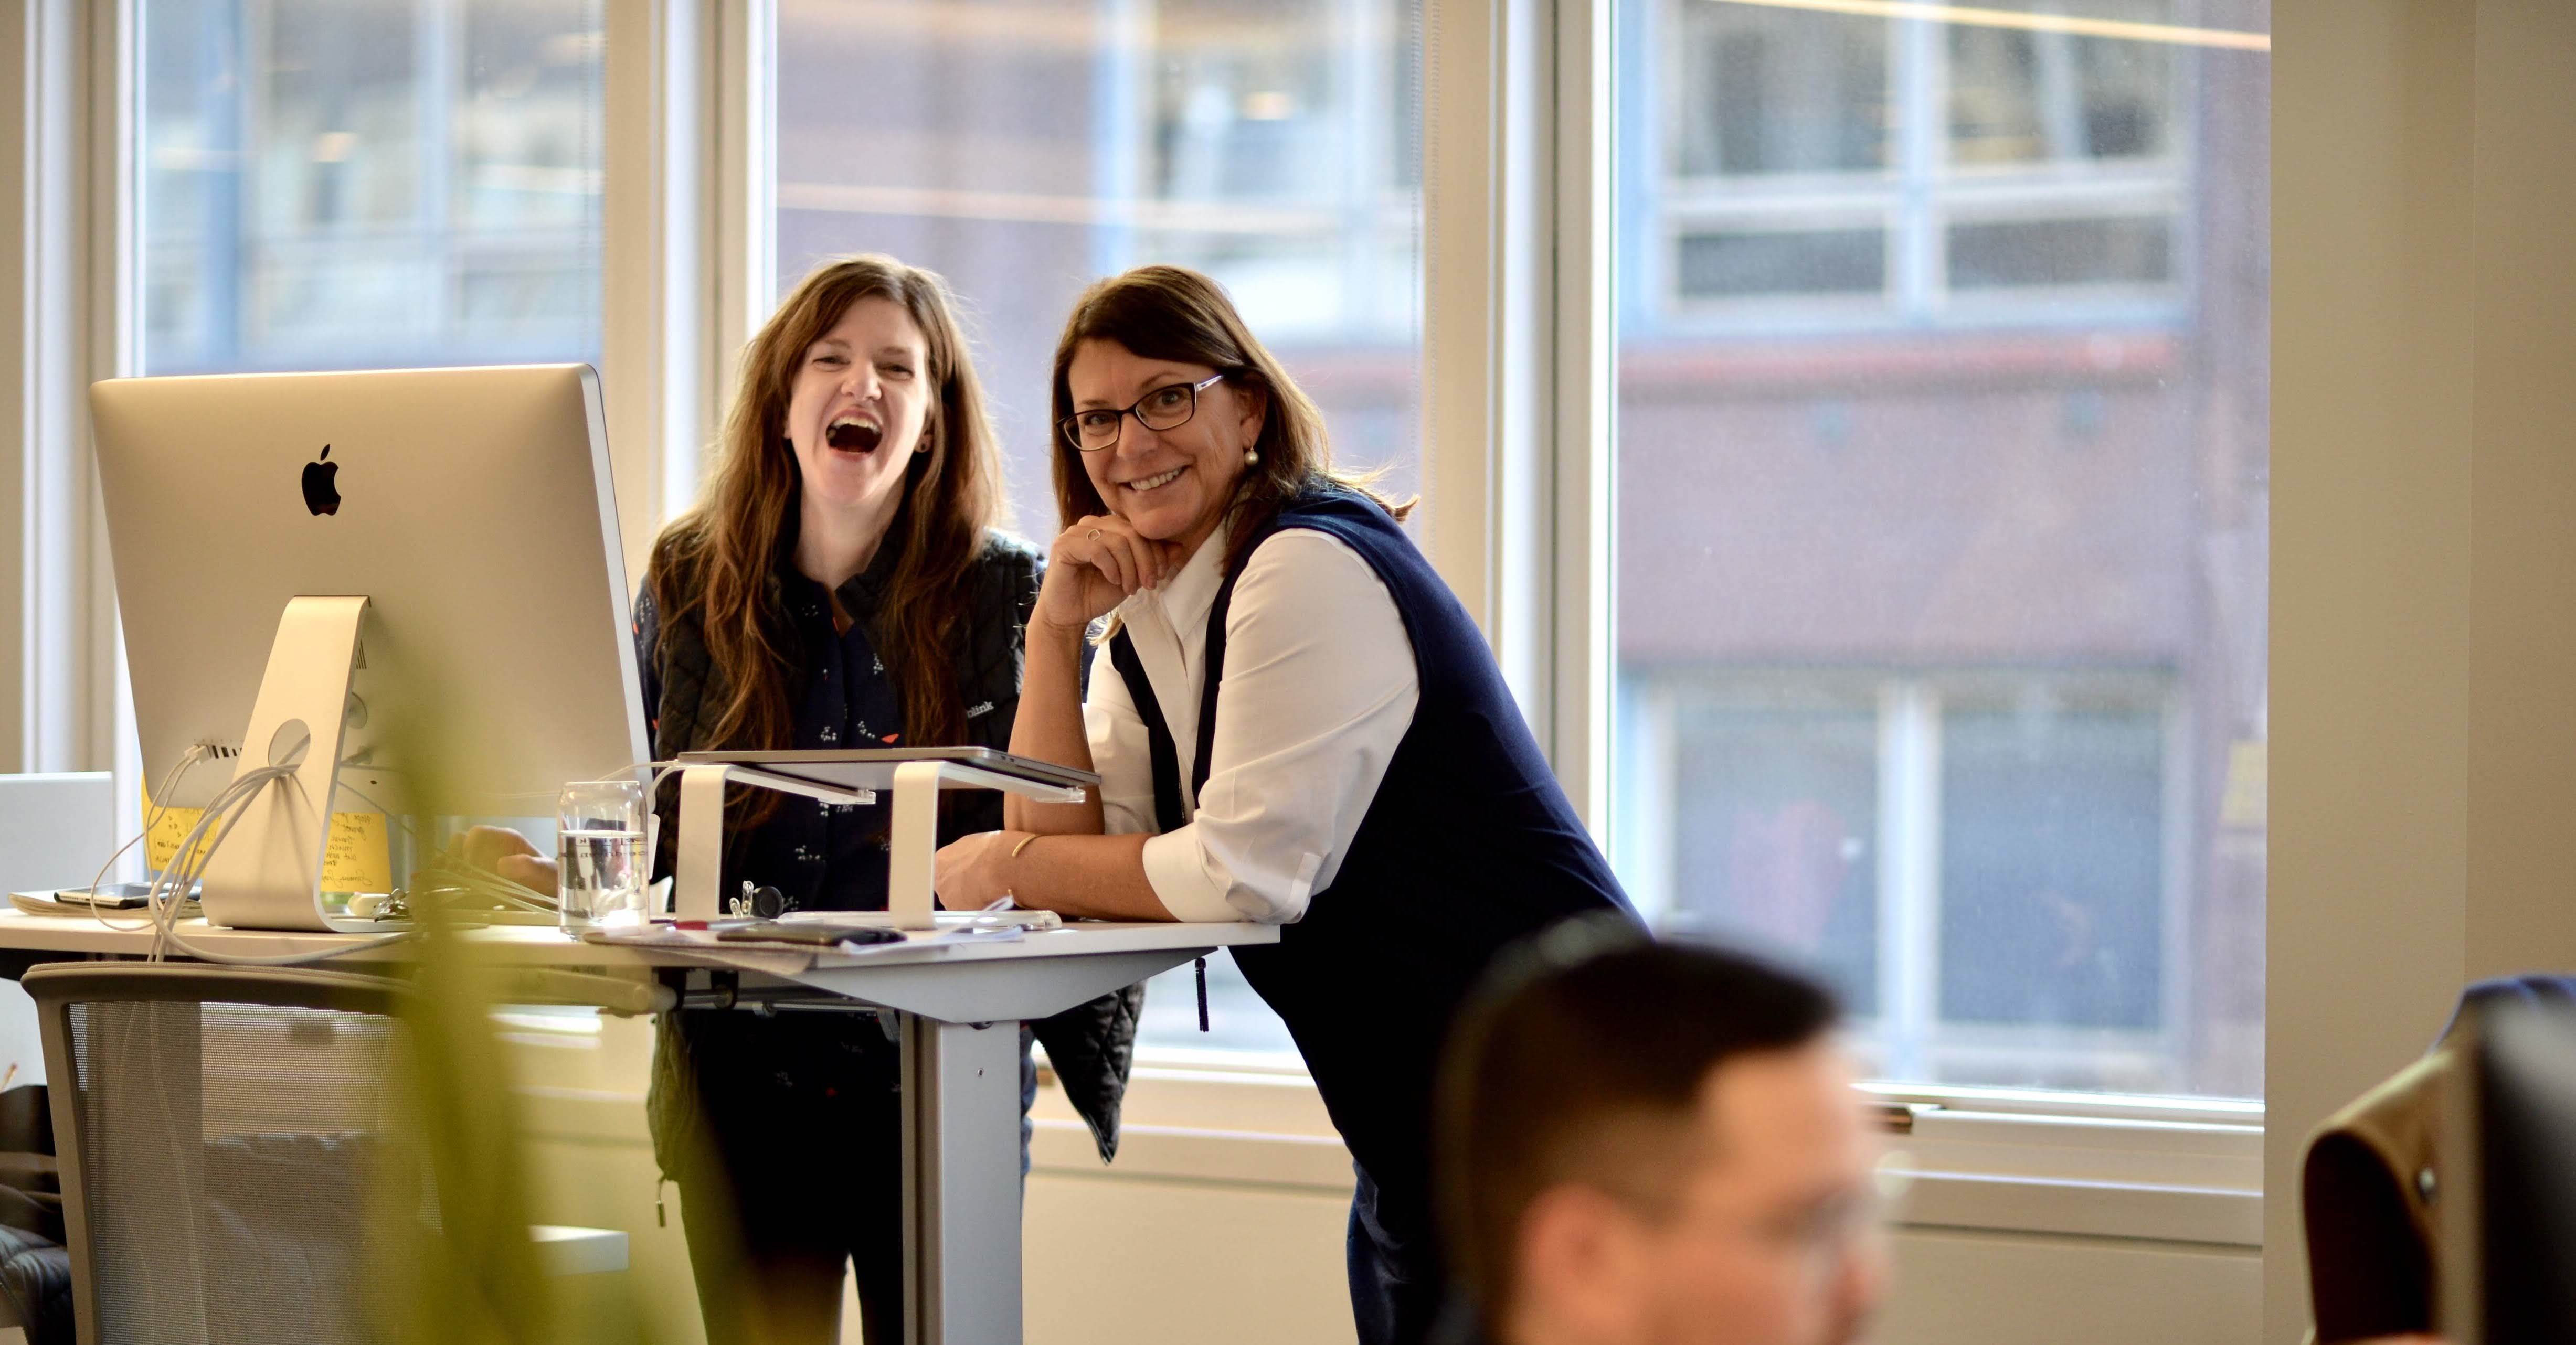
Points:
x=2052, y=865
x=1775, y=92
x=2053, y=253
x=2028, y=95
x=377, y=184
x=1775, y=834
x=1024, y=148
x=1744, y=262
x=1942, y=517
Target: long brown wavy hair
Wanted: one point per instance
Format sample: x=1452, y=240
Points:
x=717, y=562
x=1174, y=313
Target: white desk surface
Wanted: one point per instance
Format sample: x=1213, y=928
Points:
x=545, y=946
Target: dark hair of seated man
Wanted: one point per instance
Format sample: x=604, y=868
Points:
x=1655, y=1144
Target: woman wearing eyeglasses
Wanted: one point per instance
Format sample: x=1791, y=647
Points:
x=1294, y=721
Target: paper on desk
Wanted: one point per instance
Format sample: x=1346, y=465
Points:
x=749, y=957
x=788, y=957
x=946, y=921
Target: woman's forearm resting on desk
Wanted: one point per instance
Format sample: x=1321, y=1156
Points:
x=1088, y=877
x=1050, y=728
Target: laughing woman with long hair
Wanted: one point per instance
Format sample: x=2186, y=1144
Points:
x=840, y=584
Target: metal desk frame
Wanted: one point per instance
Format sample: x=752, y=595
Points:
x=959, y=1006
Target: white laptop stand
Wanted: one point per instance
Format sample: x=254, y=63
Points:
x=913, y=838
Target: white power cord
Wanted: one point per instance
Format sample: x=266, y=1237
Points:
x=168, y=891
x=160, y=806
x=486, y=885
x=470, y=881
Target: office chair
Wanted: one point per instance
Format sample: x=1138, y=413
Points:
x=35, y=1267
x=229, y=1142
x=2370, y=1179
x=243, y=1150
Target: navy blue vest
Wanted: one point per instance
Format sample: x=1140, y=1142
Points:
x=1469, y=846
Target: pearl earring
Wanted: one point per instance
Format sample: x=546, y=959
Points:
x=1251, y=456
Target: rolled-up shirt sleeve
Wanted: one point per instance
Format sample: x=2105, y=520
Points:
x=1319, y=687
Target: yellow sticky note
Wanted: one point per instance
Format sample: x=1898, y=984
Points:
x=356, y=859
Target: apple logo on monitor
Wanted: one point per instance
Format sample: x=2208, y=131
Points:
x=320, y=494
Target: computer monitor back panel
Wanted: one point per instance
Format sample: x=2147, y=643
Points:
x=471, y=507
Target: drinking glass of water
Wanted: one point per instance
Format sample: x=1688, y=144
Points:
x=599, y=853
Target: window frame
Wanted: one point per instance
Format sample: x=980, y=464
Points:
x=1916, y=199
x=66, y=68
x=687, y=221
x=1518, y=398
x=1517, y=454
x=1535, y=476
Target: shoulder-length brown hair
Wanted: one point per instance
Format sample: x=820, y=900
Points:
x=1174, y=313
x=717, y=562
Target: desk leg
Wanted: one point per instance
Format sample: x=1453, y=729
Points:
x=961, y=1162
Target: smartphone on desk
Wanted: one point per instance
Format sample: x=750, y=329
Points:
x=112, y=897
x=815, y=932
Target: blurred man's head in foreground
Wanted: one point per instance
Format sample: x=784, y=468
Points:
x=1656, y=1144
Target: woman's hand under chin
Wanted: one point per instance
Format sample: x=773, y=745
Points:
x=1095, y=565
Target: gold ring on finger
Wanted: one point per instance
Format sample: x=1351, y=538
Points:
x=1092, y=536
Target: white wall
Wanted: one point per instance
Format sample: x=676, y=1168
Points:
x=1231, y=1227
x=1116, y=1261
x=2424, y=637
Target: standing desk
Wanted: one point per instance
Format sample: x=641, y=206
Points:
x=959, y=1006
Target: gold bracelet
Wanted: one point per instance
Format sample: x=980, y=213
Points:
x=1030, y=840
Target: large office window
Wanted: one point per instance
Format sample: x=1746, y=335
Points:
x=1024, y=148
x=1848, y=169
x=1941, y=521
x=368, y=183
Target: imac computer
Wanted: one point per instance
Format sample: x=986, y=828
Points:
x=2506, y=1155
x=406, y=585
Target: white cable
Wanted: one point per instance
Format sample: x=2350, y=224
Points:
x=160, y=807
x=198, y=850
x=471, y=881
x=474, y=882
x=485, y=883
x=230, y=806
x=169, y=887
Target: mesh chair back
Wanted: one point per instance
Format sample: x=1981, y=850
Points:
x=236, y=1160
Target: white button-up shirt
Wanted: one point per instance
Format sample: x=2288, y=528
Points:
x=1319, y=687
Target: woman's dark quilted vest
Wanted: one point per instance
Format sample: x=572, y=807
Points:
x=1092, y=1046
x=1469, y=846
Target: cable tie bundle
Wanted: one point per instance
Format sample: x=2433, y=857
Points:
x=167, y=894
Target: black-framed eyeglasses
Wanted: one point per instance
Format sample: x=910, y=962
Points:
x=1168, y=407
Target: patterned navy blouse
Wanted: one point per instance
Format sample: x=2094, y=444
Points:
x=828, y=856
